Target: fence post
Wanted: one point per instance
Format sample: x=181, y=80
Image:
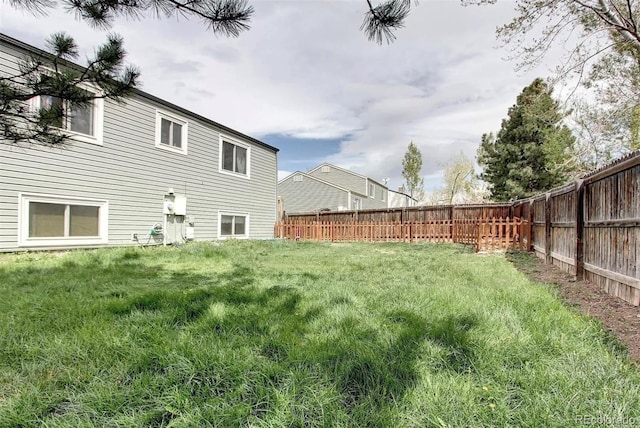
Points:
x=579, y=260
x=547, y=229
x=530, y=226
x=453, y=231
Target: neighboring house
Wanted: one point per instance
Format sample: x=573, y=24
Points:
x=302, y=192
x=401, y=200
x=330, y=187
x=367, y=193
x=146, y=171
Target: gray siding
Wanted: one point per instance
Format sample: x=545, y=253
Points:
x=356, y=183
x=132, y=174
x=342, y=178
x=311, y=195
x=376, y=200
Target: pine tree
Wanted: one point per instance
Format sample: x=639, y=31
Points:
x=530, y=153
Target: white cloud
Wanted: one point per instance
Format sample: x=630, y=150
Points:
x=306, y=70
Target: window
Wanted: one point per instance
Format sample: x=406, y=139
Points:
x=82, y=122
x=372, y=190
x=171, y=132
x=298, y=177
x=325, y=168
x=384, y=192
x=233, y=225
x=57, y=221
x=357, y=204
x=234, y=157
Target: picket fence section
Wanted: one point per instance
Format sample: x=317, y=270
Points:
x=484, y=234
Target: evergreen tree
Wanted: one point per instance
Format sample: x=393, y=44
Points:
x=531, y=152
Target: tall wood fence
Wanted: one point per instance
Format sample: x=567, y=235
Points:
x=591, y=227
x=484, y=234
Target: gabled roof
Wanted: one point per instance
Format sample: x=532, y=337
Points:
x=33, y=50
x=348, y=171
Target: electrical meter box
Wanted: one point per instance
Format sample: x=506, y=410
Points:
x=174, y=205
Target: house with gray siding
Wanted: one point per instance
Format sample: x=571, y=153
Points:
x=370, y=193
x=302, y=192
x=330, y=187
x=142, y=172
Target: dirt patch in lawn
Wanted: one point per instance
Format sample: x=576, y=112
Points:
x=619, y=317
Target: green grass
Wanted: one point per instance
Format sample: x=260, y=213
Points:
x=282, y=334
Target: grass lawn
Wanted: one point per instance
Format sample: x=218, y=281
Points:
x=285, y=334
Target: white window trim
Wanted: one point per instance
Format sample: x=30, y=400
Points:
x=234, y=213
x=222, y=139
x=98, y=119
x=176, y=119
x=372, y=190
x=357, y=202
x=23, y=221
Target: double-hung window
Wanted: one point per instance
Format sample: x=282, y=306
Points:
x=234, y=157
x=372, y=190
x=83, y=122
x=47, y=220
x=171, y=132
x=233, y=225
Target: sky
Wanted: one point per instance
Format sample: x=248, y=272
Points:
x=306, y=80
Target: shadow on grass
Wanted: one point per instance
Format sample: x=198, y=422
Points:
x=372, y=377
x=248, y=342
x=373, y=373
x=452, y=335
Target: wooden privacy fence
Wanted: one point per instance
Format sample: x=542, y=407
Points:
x=484, y=234
x=591, y=228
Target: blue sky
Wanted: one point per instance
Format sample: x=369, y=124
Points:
x=301, y=154
x=306, y=80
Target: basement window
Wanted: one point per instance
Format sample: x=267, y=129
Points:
x=47, y=220
x=233, y=225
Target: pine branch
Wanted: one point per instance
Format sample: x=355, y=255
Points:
x=53, y=76
x=381, y=21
